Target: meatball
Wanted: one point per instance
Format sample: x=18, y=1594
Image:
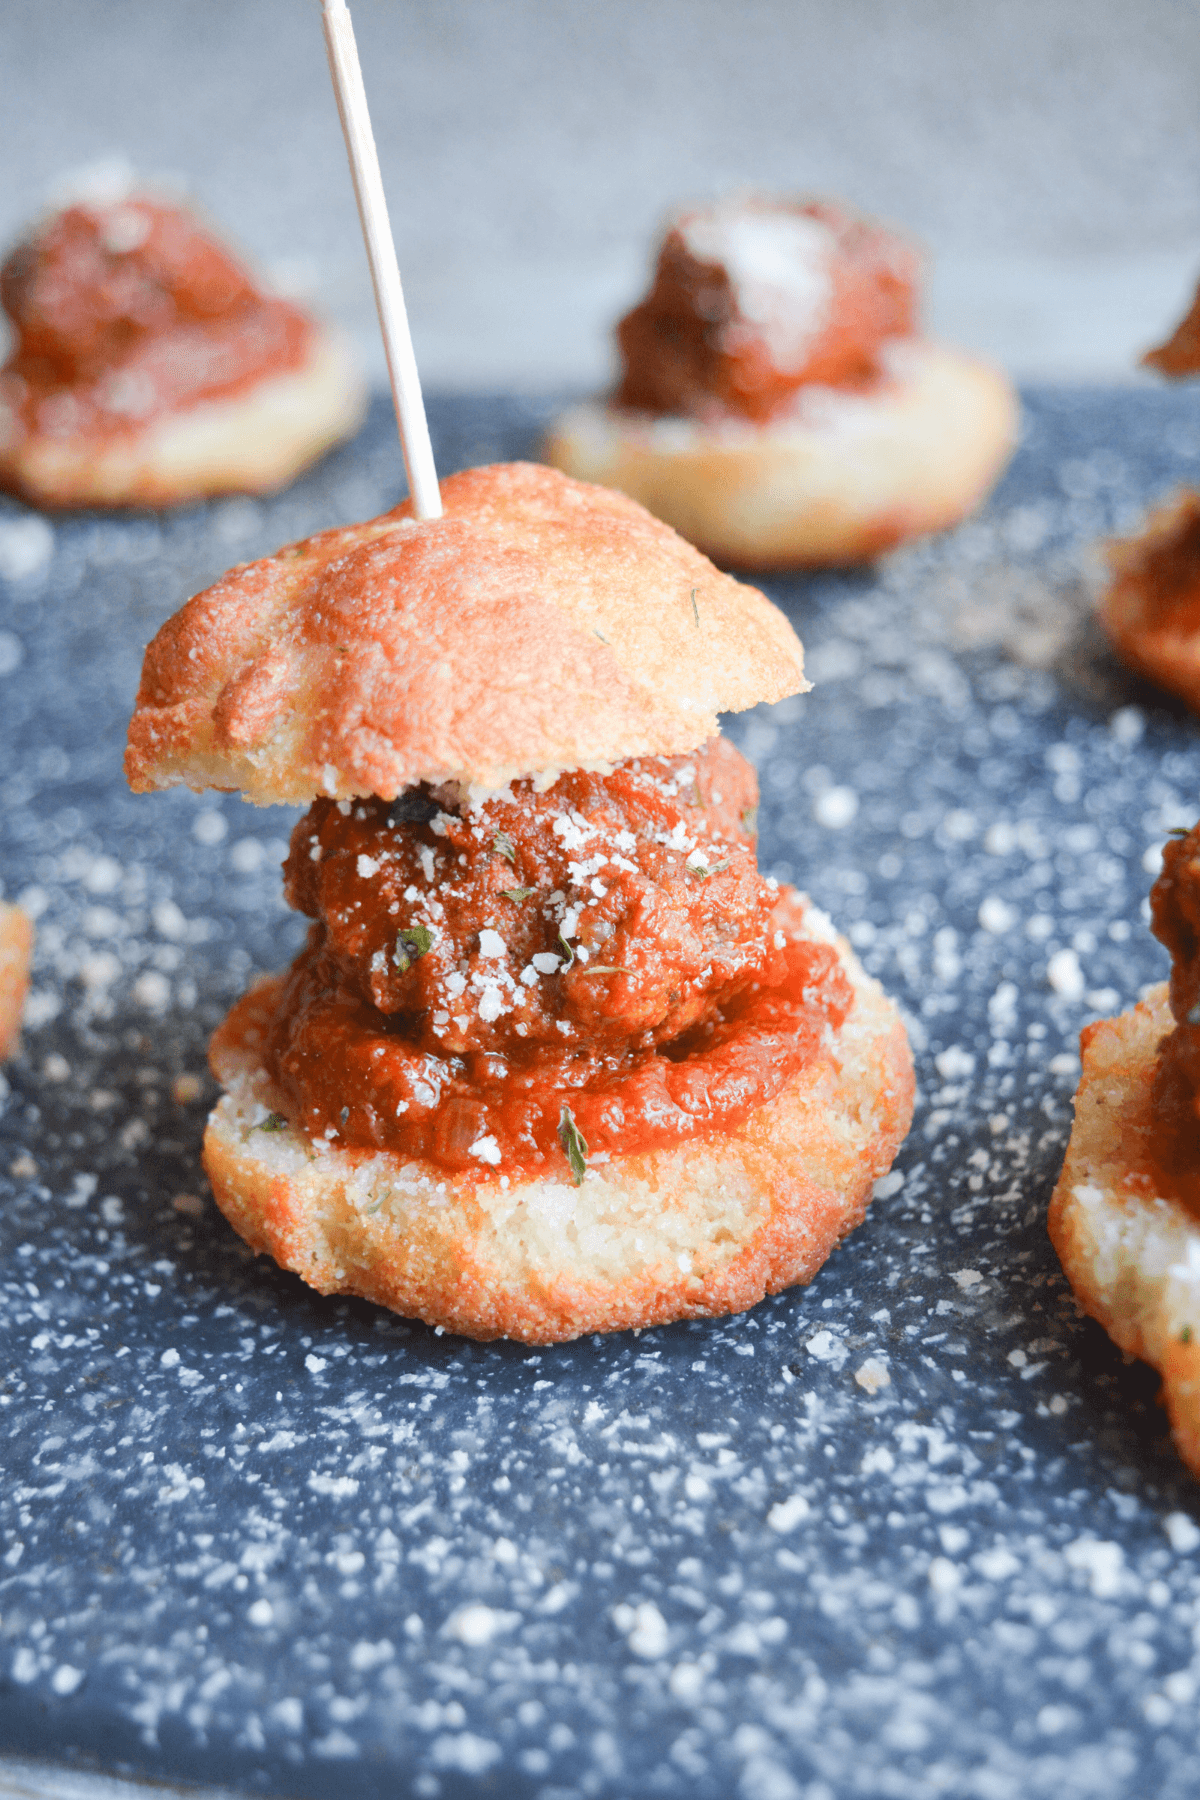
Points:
x=752, y=300
x=614, y=908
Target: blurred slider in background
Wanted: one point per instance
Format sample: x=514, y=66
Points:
x=149, y=369
x=777, y=403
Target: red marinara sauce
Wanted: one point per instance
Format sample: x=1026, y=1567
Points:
x=129, y=310
x=601, y=958
x=1175, y=921
x=753, y=300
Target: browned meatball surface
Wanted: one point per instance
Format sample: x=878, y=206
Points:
x=752, y=300
x=637, y=891
x=606, y=944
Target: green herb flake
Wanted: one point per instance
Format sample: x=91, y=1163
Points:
x=568, y=952
x=574, y=1145
x=273, y=1122
x=411, y=941
x=503, y=845
x=750, y=821
x=600, y=635
x=1185, y=1336
x=605, y=969
x=695, y=610
x=517, y=895
x=702, y=874
x=1179, y=831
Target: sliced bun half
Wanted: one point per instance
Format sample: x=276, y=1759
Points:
x=1130, y=1250
x=539, y=625
x=692, y=1232
x=249, y=443
x=845, y=477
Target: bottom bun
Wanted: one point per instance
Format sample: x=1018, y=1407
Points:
x=846, y=477
x=251, y=443
x=16, y=947
x=1131, y=1252
x=693, y=1232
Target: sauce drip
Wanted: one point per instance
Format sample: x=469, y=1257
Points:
x=753, y=300
x=606, y=947
x=129, y=310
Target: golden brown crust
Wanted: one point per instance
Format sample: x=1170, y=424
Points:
x=690, y=1233
x=249, y=443
x=1159, y=641
x=539, y=625
x=16, y=948
x=1131, y=1250
x=851, y=475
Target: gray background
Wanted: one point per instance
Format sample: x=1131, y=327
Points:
x=1047, y=154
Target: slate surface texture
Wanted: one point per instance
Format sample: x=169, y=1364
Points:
x=916, y=1530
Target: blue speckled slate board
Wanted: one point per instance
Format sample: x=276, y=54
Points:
x=305, y=1548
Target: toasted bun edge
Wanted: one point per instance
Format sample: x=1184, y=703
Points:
x=1130, y=1251
x=852, y=476
x=695, y=1232
x=253, y=442
x=542, y=624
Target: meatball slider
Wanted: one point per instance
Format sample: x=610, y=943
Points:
x=1125, y=1215
x=1151, y=607
x=777, y=403
x=149, y=369
x=556, y=1058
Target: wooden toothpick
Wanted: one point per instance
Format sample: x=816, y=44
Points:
x=381, y=254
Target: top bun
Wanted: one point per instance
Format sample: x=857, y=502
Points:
x=541, y=624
